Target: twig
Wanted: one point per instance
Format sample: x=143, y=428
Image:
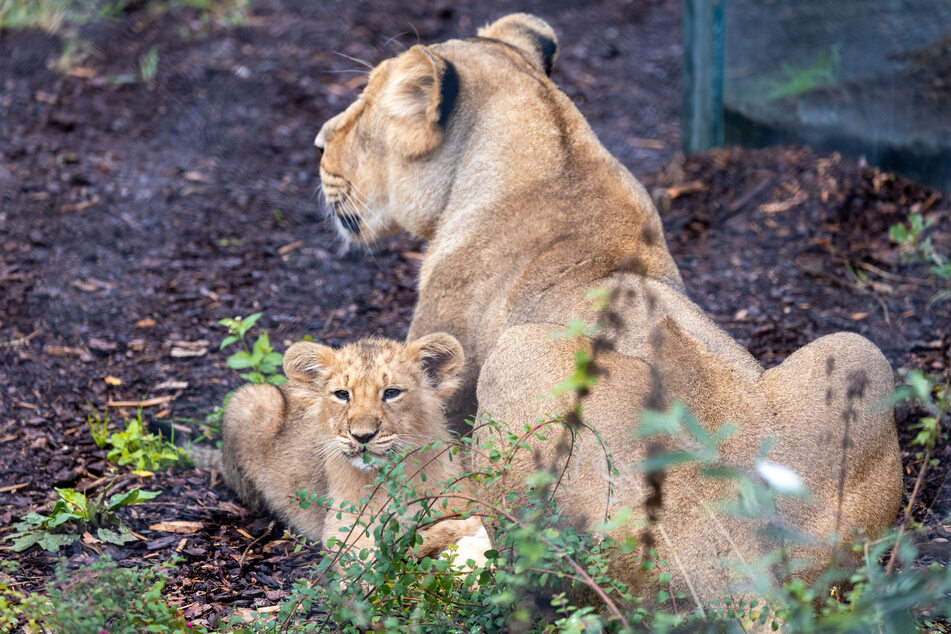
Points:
x=905, y=519
x=270, y=527
x=149, y=402
x=19, y=341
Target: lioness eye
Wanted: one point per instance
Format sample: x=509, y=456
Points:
x=343, y=395
x=391, y=393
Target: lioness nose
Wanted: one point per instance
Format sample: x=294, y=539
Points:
x=323, y=136
x=363, y=438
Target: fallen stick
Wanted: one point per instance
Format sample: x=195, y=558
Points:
x=149, y=402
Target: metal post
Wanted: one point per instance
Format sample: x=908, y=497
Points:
x=703, y=75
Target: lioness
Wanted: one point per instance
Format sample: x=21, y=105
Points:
x=469, y=145
x=333, y=424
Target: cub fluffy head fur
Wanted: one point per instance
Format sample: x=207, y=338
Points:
x=328, y=429
x=374, y=397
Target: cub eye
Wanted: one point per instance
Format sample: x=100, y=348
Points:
x=343, y=395
x=390, y=393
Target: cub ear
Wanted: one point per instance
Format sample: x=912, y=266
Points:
x=441, y=358
x=420, y=96
x=305, y=360
x=533, y=36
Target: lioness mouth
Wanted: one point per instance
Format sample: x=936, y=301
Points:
x=350, y=222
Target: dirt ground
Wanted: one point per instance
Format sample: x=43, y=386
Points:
x=135, y=214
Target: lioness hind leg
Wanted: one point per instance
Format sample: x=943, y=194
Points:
x=833, y=428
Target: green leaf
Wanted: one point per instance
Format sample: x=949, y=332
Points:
x=122, y=536
x=662, y=596
x=920, y=385
x=653, y=423
x=273, y=360
x=57, y=519
x=25, y=540
x=940, y=296
x=664, y=460
x=240, y=361
x=227, y=341
x=75, y=499
x=51, y=542
x=130, y=497
x=263, y=343
x=898, y=233
x=33, y=518
x=253, y=377
x=249, y=321
x=277, y=379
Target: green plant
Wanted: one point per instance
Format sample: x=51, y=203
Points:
x=101, y=598
x=46, y=14
x=148, y=64
x=823, y=72
x=935, y=398
x=135, y=445
x=909, y=238
x=915, y=247
x=263, y=363
x=74, y=513
x=10, y=599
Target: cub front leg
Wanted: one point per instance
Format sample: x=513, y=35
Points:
x=468, y=537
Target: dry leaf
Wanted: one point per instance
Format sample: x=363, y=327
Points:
x=189, y=348
x=112, y=380
x=858, y=316
x=101, y=345
x=62, y=351
x=196, y=177
x=783, y=205
x=177, y=526
x=148, y=322
x=82, y=72
x=170, y=385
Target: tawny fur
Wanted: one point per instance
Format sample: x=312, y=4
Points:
x=303, y=435
x=469, y=145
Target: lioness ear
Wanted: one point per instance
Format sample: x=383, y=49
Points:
x=305, y=360
x=419, y=97
x=440, y=357
x=533, y=36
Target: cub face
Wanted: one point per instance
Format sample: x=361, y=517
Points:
x=389, y=159
x=374, y=397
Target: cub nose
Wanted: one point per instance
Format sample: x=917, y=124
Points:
x=363, y=438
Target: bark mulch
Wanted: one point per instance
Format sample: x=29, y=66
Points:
x=135, y=214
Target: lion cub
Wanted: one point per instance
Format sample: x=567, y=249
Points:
x=332, y=426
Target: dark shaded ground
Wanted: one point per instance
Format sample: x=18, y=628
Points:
x=135, y=215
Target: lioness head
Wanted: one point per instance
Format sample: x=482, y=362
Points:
x=390, y=159
x=375, y=396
